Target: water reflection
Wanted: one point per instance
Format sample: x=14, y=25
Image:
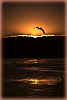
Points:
x=39, y=69
x=33, y=61
x=34, y=81
x=32, y=77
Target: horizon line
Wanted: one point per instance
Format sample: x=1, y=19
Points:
x=34, y=36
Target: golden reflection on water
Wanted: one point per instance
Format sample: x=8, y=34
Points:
x=34, y=81
x=33, y=61
x=45, y=81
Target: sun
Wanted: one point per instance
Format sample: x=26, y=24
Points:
x=36, y=32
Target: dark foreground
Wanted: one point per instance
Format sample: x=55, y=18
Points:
x=28, y=47
x=33, y=67
x=33, y=78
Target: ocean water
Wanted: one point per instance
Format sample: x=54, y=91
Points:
x=33, y=78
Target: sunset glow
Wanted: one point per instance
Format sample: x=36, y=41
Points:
x=22, y=18
x=33, y=35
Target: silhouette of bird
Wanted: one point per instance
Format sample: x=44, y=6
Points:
x=40, y=29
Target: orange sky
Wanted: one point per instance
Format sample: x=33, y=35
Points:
x=22, y=18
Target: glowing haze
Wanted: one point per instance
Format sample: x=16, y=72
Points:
x=22, y=18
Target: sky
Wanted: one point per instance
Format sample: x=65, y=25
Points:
x=22, y=18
